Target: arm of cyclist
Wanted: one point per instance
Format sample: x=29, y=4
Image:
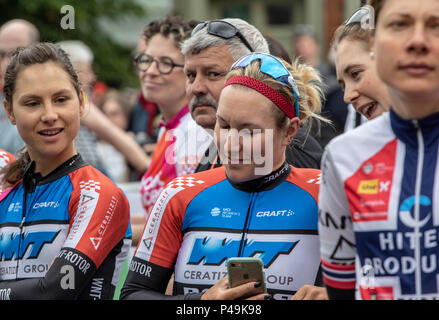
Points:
x=338, y=277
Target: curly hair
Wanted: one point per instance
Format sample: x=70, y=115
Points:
x=175, y=27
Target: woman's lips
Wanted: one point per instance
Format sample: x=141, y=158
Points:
x=149, y=84
x=416, y=69
x=50, y=134
x=368, y=109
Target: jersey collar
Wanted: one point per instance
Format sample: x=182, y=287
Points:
x=406, y=130
x=264, y=183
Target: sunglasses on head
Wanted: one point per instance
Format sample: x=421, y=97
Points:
x=274, y=68
x=358, y=16
x=223, y=30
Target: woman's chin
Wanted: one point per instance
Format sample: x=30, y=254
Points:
x=240, y=172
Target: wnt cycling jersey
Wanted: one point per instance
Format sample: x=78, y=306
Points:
x=181, y=144
x=62, y=236
x=201, y=220
x=379, y=218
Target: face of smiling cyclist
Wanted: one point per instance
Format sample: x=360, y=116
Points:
x=46, y=110
x=243, y=124
x=357, y=75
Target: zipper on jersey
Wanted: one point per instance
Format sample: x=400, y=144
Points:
x=246, y=224
x=418, y=183
x=23, y=218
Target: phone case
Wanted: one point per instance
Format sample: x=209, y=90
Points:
x=243, y=270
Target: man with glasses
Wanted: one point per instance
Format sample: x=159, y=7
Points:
x=13, y=34
x=209, y=54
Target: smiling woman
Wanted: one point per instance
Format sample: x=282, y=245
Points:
x=60, y=213
x=356, y=70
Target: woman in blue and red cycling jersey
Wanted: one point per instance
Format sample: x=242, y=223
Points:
x=64, y=226
x=256, y=205
x=379, y=221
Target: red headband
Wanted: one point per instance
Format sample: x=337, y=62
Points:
x=266, y=91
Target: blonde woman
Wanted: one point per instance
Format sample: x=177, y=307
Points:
x=255, y=205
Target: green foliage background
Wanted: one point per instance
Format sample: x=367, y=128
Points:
x=112, y=63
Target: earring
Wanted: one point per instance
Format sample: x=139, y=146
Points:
x=372, y=55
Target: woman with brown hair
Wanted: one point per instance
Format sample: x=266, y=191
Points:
x=64, y=225
x=356, y=71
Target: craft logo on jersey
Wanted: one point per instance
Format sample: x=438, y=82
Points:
x=214, y=251
x=31, y=242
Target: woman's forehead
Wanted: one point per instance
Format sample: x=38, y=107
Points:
x=244, y=105
x=41, y=77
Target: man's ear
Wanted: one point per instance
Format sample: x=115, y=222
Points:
x=8, y=109
x=291, y=131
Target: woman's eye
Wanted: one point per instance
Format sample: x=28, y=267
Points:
x=31, y=104
x=355, y=74
x=61, y=99
x=397, y=24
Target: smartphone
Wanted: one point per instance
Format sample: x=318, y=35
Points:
x=243, y=270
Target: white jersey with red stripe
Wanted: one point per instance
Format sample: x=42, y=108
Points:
x=379, y=210
x=180, y=146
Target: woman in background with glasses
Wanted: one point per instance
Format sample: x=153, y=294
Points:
x=380, y=181
x=181, y=142
x=356, y=71
x=256, y=205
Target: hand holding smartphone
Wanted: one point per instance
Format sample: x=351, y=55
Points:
x=244, y=270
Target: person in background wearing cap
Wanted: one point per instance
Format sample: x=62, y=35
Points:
x=209, y=54
x=13, y=34
x=256, y=203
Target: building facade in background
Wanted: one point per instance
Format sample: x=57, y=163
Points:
x=276, y=18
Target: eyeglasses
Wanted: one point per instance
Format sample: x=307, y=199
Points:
x=358, y=16
x=223, y=30
x=274, y=68
x=165, y=65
